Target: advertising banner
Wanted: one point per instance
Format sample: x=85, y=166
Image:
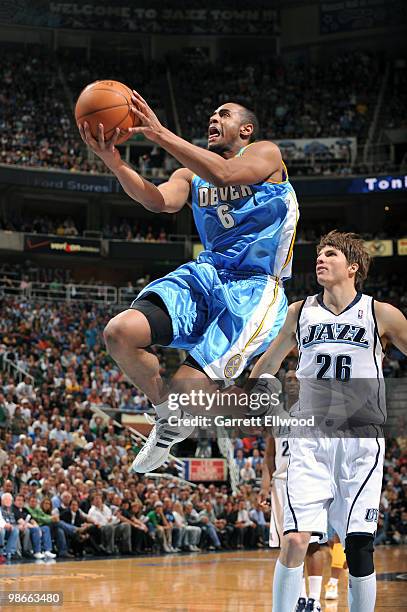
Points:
x=62, y=245
x=348, y=15
x=205, y=469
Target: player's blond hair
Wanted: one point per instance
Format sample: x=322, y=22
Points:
x=352, y=246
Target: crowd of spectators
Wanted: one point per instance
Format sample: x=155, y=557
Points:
x=65, y=463
x=332, y=99
x=37, y=127
x=392, y=526
x=61, y=347
x=65, y=486
x=137, y=230
x=304, y=99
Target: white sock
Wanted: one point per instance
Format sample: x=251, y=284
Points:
x=315, y=583
x=286, y=587
x=333, y=581
x=362, y=593
x=162, y=410
x=304, y=588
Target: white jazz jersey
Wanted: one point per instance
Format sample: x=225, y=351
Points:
x=340, y=358
x=281, y=459
x=338, y=477
x=279, y=490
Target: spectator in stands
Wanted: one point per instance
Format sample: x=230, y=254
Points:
x=9, y=532
x=42, y=516
x=159, y=526
x=33, y=537
x=114, y=532
x=246, y=528
x=247, y=473
x=256, y=515
x=191, y=534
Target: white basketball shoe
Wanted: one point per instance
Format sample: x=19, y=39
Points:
x=158, y=445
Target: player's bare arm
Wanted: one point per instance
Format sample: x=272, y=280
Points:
x=259, y=162
x=392, y=325
x=169, y=197
x=285, y=341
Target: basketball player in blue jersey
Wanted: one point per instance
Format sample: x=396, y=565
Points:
x=341, y=335
x=229, y=304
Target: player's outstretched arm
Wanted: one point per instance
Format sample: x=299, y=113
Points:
x=392, y=325
x=271, y=360
x=170, y=197
x=259, y=162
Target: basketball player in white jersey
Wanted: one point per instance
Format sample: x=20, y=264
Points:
x=274, y=479
x=341, y=335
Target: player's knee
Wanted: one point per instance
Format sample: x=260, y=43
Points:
x=297, y=540
x=359, y=555
x=126, y=329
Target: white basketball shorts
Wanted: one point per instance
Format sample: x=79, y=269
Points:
x=335, y=479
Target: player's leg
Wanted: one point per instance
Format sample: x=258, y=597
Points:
x=305, y=513
x=362, y=577
x=289, y=570
x=360, y=462
x=338, y=563
x=128, y=336
x=314, y=562
x=171, y=311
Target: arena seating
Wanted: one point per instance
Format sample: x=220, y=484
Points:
x=292, y=99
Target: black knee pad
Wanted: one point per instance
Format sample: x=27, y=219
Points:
x=156, y=313
x=359, y=555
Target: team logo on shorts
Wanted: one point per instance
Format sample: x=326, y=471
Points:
x=372, y=515
x=232, y=366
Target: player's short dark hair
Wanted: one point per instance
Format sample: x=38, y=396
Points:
x=249, y=116
x=352, y=246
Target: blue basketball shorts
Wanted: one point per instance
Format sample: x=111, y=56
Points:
x=221, y=317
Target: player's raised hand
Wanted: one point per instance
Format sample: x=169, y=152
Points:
x=150, y=125
x=105, y=149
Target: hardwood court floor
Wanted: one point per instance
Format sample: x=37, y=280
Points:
x=222, y=582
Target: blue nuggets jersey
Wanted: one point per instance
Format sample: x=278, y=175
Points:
x=246, y=228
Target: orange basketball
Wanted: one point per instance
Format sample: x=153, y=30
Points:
x=106, y=102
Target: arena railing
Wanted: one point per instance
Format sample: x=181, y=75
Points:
x=14, y=370
x=71, y=292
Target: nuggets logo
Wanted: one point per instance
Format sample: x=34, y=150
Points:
x=233, y=366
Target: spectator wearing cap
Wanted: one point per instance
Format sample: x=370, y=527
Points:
x=8, y=528
x=159, y=527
